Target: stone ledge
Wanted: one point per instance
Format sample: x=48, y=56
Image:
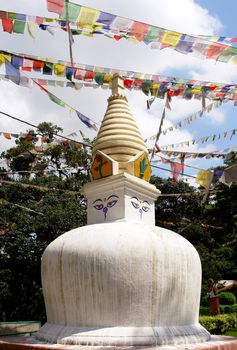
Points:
x=29, y=343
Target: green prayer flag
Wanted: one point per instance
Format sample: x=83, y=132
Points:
x=19, y=26
x=56, y=100
x=228, y=54
x=70, y=12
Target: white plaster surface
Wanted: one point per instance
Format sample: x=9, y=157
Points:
x=121, y=283
x=124, y=186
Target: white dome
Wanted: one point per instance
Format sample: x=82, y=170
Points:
x=121, y=283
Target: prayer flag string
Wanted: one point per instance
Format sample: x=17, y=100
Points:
x=89, y=22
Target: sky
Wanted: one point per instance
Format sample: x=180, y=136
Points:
x=187, y=16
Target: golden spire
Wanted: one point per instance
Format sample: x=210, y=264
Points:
x=119, y=137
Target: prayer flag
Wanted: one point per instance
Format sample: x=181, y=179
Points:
x=204, y=178
x=214, y=51
x=12, y=73
x=55, y=99
x=70, y=12
x=227, y=54
x=7, y=25
x=86, y=120
x=48, y=69
x=152, y=34
x=7, y=135
x=106, y=18
x=139, y=30
x=37, y=65
x=229, y=175
x=176, y=169
x=171, y=38
x=87, y=17
x=31, y=29
x=19, y=27
x=59, y=70
x=55, y=6
x=17, y=61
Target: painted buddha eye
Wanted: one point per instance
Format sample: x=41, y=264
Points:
x=111, y=203
x=145, y=209
x=99, y=206
x=145, y=206
x=135, y=202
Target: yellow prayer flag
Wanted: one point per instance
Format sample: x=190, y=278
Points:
x=196, y=90
x=3, y=56
x=59, y=70
x=2, y=60
x=204, y=178
x=171, y=38
x=7, y=135
x=107, y=78
x=31, y=29
x=87, y=17
x=233, y=60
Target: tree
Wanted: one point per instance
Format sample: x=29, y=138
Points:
x=40, y=205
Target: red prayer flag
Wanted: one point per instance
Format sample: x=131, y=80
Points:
x=215, y=50
x=27, y=69
x=139, y=30
x=56, y=6
x=38, y=65
x=176, y=169
x=7, y=25
x=128, y=83
x=89, y=75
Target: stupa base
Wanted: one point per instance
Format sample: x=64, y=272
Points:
x=30, y=343
x=122, y=336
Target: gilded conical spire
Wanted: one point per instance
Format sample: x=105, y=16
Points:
x=119, y=140
x=119, y=136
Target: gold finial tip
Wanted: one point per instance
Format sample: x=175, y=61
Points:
x=117, y=85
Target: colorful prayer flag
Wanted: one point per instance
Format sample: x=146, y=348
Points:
x=86, y=120
x=19, y=27
x=55, y=6
x=70, y=12
x=56, y=100
x=7, y=25
x=204, y=178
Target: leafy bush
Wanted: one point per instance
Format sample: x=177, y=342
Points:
x=227, y=309
x=219, y=324
x=205, y=300
x=227, y=298
x=204, y=311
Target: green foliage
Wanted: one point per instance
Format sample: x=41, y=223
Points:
x=204, y=311
x=228, y=309
x=24, y=234
x=232, y=333
x=227, y=298
x=219, y=324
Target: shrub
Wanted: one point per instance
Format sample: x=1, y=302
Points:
x=227, y=309
x=227, y=298
x=204, y=311
x=219, y=324
x=205, y=300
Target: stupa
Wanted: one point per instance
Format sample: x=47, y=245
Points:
x=121, y=280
